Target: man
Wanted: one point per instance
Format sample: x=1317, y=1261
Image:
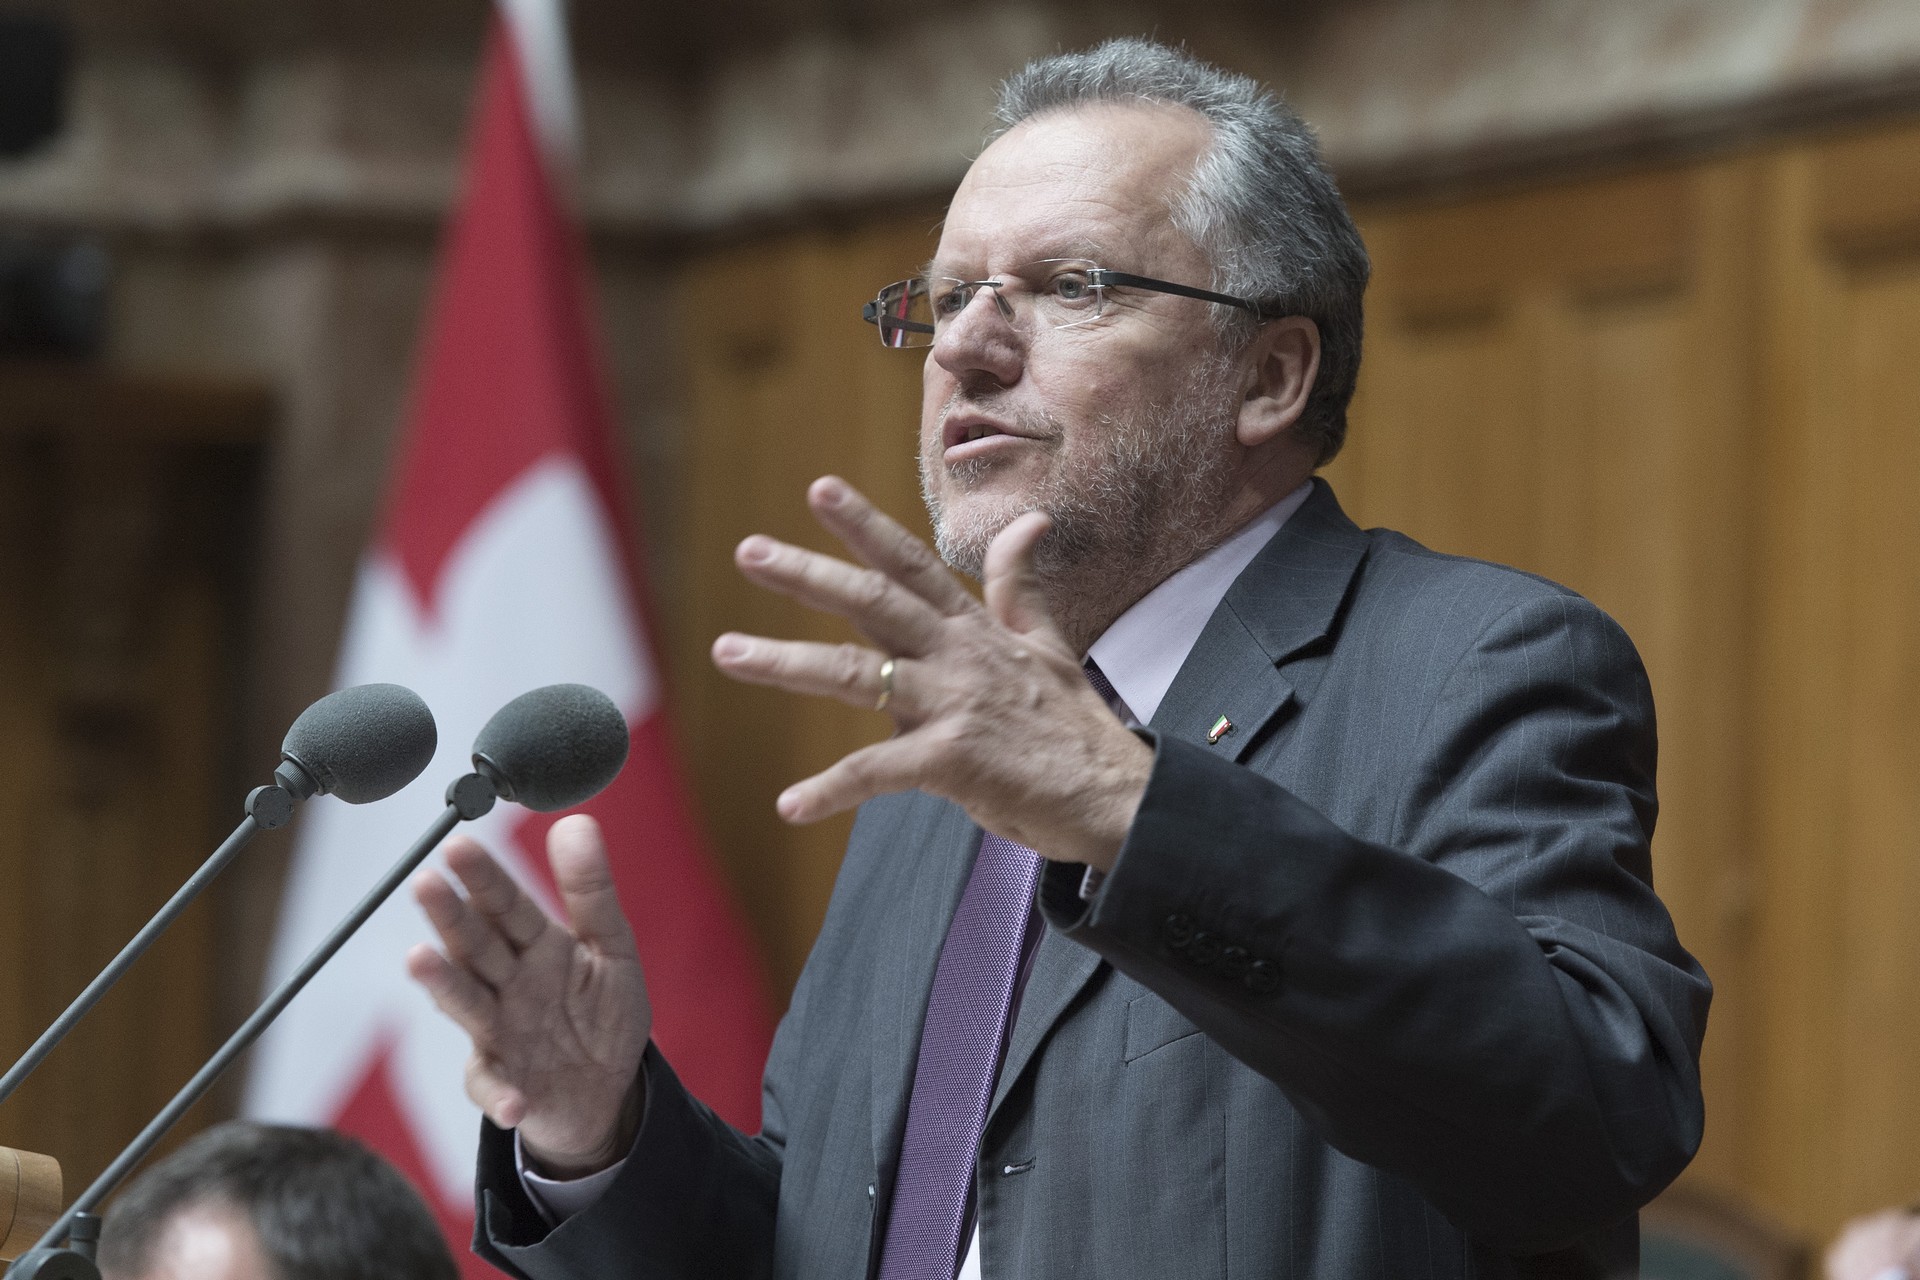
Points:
x=250, y=1201
x=1350, y=964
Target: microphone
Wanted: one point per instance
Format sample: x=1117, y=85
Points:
x=361, y=744
x=554, y=747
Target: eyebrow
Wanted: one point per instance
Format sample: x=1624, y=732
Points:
x=1087, y=250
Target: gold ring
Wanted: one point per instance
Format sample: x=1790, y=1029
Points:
x=886, y=686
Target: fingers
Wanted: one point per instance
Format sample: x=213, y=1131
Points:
x=1015, y=597
x=848, y=672
x=578, y=854
x=504, y=1104
x=493, y=893
x=881, y=542
x=853, y=780
x=455, y=992
x=891, y=614
x=472, y=941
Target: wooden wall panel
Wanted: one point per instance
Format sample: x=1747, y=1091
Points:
x=120, y=621
x=1838, y=1069
x=1555, y=380
x=786, y=384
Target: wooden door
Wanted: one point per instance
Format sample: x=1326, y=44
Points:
x=124, y=523
x=1837, y=796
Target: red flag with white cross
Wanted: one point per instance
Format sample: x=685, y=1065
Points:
x=503, y=561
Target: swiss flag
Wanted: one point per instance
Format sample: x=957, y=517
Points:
x=502, y=563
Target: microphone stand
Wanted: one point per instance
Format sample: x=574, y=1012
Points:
x=468, y=797
x=268, y=807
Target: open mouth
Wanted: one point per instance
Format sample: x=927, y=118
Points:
x=967, y=430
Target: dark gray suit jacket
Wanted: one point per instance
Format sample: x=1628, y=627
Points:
x=1378, y=988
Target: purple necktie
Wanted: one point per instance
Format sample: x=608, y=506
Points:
x=1102, y=686
x=960, y=1045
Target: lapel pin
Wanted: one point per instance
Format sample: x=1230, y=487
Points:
x=1221, y=728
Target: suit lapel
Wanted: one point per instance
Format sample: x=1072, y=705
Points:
x=1229, y=677
x=932, y=855
x=1060, y=969
x=1285, y=602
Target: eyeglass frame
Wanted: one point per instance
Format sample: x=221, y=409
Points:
x=1097, y=278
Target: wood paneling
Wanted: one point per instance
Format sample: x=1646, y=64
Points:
x=786, y=385
x=1695, y=396
x=122, y=514
x=1838, y=954
x=1556, y=380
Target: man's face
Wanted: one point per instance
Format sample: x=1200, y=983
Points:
x=1119, y=428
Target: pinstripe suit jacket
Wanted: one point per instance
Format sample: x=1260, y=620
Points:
x=1378, y=988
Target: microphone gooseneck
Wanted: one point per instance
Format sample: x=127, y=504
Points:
x=362, y=744
x=552, y=748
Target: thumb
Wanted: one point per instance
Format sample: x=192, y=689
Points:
x=578, y=854
x=1014, y=595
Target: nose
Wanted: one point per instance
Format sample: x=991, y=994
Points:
x=982, y=339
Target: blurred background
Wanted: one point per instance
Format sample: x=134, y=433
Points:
x=1646, y=319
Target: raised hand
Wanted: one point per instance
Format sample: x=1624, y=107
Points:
x=558, y=1013
x=989, y=702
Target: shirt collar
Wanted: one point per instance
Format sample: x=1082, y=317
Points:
x=1144, y=648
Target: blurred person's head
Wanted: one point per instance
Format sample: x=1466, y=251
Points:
x=1878, y=1246
x=247, y=1201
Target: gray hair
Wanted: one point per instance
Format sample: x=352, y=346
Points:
x=1260, y=203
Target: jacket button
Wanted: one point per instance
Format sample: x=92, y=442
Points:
x=1263, y=977
x=1204, y=949
x=1234, y=963
x=872, y=1191
x=1177, y=930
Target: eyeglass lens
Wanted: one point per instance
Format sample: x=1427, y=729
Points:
x=1055, y=294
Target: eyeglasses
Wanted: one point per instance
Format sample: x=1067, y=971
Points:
x=1054, y=293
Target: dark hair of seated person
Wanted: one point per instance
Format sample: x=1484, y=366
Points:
x=324, y=1206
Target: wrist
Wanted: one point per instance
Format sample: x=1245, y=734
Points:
x=568, y=1166
x=1113, y=819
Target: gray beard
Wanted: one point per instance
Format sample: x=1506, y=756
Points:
x=1143, y=502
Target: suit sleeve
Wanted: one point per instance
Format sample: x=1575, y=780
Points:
x=1494, y=1008
x=694, y=1199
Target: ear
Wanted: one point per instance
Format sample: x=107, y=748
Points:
x=1284, y=359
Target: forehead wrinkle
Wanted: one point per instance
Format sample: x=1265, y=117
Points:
x=1017, y=207
x=1088, y=224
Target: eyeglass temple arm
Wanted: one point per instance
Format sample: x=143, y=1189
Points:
x=1186, y=291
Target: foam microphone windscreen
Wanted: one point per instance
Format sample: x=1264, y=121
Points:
x=553, y=747
x=363, y=743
